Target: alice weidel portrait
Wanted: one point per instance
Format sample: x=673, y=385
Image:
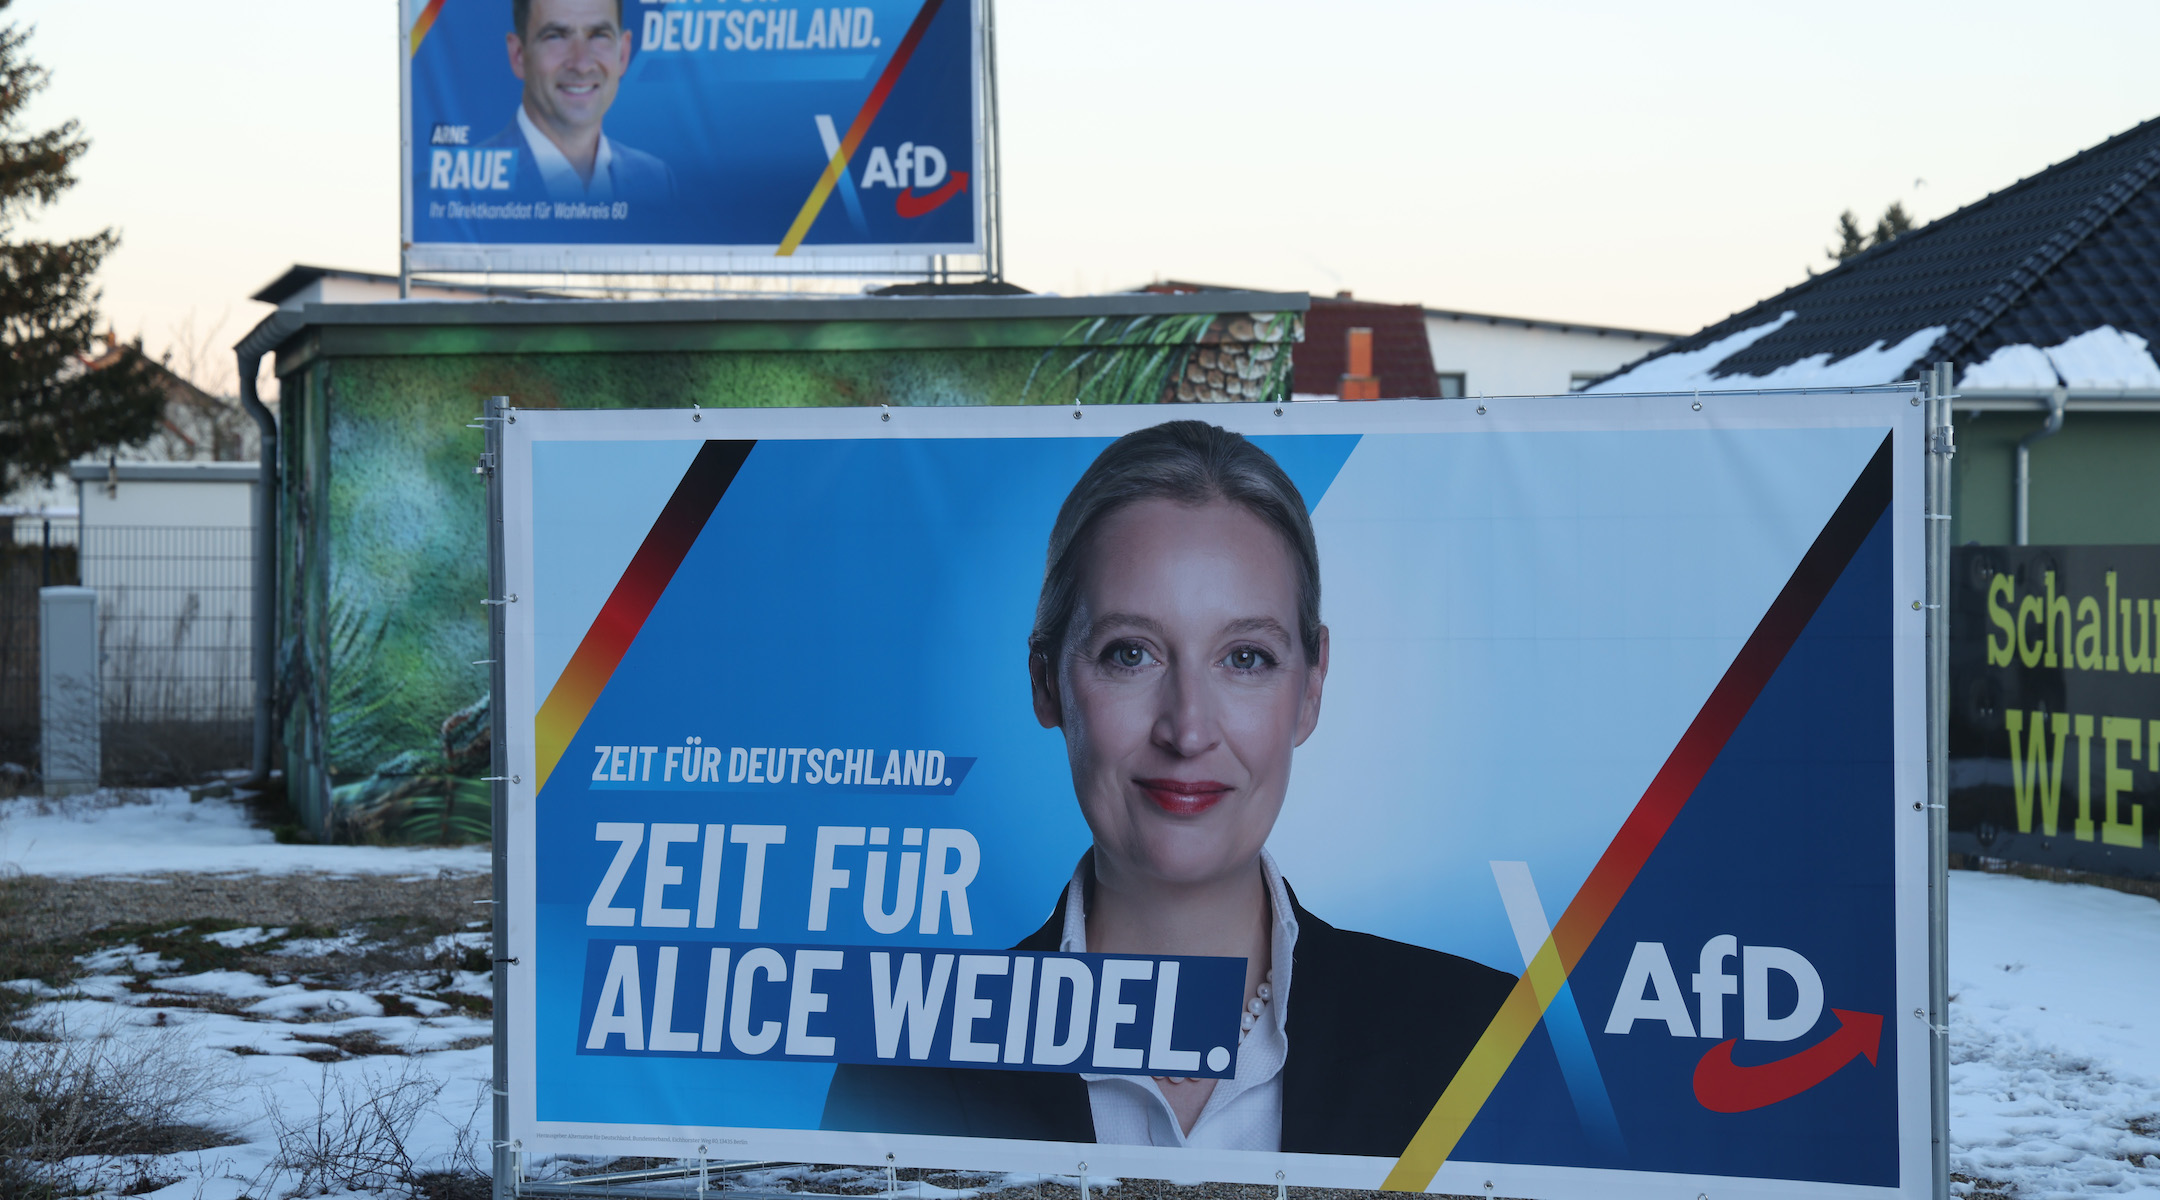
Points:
x=1178, y=647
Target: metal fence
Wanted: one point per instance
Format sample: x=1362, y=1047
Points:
x=174, y=626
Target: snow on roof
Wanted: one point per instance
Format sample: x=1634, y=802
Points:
x=1683, y=370
x=2045, y=264
x=1697, y=370
x=2097, y=359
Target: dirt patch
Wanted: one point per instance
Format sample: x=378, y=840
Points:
x=1982, y=1189
x=453, y=1185
x=358, y=1044
x=40, y=909
x=363, y=931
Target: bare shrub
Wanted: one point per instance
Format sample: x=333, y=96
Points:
x=360, y=1135
x=90, y=1113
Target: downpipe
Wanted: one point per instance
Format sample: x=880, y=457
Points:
x=263, y=654
x=2057, y=400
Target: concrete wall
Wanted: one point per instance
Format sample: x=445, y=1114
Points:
x=1503, y=356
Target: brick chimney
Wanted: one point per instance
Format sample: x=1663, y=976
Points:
x=1359, y=382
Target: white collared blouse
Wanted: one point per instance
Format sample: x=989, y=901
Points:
x=1245, y=1111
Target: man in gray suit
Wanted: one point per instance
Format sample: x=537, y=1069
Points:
x=571, y=55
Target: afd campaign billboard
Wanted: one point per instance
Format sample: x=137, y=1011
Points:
x=1410, y=794
x=2055, y=706
x=650, y=136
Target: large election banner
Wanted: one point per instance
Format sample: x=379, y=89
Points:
x=640, y=135
x=2055, y=706
x=1411, y=794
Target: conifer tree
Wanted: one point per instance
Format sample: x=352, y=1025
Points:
x=1894, y=223
x=1850, y=240
x=53, y=408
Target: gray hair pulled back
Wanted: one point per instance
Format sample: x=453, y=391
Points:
x=1192, y=463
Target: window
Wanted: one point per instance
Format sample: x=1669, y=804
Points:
x=1451, y=386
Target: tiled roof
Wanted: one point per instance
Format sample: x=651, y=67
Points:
x=1402, y=354
x=2068, y=250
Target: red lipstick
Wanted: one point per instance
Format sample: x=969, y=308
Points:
x=1184, y=797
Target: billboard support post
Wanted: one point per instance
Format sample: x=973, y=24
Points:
x=994, y=188
x=404, y=254
x=489, y=467
x=1940, y=448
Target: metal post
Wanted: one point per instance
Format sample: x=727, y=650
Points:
x=996, y=190
x=405, y=217
x=505, y=1159
x=44, y=555
x=2022, y=484
x=262, y=612
x=1936, y=503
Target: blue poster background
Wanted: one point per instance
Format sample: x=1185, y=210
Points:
x=733, y=118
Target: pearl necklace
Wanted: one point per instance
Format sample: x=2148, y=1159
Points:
x=1248, y=1019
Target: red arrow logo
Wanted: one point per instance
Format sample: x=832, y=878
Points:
x=1724, y=1086
x=911, y=205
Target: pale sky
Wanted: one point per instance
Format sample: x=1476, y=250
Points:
x=1656, y=164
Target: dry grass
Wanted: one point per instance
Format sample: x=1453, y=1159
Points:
x=88, y=1112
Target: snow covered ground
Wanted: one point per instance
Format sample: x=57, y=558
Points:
x=2055, y=1017
x=2054, y=1036
x=165, y=832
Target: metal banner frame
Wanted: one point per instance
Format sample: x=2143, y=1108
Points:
x=1941, y=446
x=694, y=1174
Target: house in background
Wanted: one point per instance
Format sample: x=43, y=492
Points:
x=163, y=532
x=1478, y=354
x=196, y=426
x=1418, y=351
x=2046, y=295
x=1398, y=361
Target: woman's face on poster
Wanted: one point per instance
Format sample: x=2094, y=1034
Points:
x=1182, y=688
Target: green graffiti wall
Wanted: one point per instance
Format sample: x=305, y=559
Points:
x=382, y=703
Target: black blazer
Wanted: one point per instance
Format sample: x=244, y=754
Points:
x=1376, y=1029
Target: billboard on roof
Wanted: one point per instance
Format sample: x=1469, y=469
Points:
x=690, y=135
x=1514, y=796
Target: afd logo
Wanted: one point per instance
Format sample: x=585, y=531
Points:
x=911, y=167
x=1650, y=991
x=919, y=172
